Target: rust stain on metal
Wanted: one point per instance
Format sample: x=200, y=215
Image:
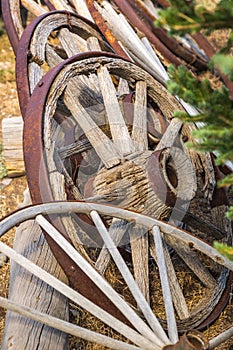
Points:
x=191, y=340
x=127, y=10
x=157, y=180
x=105, y=30
x=166, y=45
x=9, y=24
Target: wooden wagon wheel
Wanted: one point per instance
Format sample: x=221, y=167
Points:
x=141, y=335
x=102, y=161
x=36, y=54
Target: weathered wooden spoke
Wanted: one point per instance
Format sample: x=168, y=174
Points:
x=39, y=51
x=136, y=173
x=141, y=336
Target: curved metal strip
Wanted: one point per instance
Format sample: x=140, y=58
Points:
x=9, y=24
x=105, y=30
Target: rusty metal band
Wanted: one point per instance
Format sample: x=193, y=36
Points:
x=101, y=24
x=137, y=23
x=9, y=24
x=220, y=306
x=206, y=46
x=24, y=54
x=192, y=59
x=190, y=340
x=49, y=5
x=37, y=176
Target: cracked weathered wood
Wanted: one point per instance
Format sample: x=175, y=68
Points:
x=167, y=295
x=117, y=230
x=12, y=135
x=135, y=320
x=177, y=294
x=140, y=248
x=76, y=297
x=159, y=335
x=119, y=131
x=22, y=333
x=139, y=132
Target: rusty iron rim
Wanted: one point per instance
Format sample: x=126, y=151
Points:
x=9, y=24
x=189, y=338
x=105, y=30
x=209, y=50
x=167, y=46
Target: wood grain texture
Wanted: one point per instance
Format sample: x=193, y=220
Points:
x=20, y=332
x=12, y=135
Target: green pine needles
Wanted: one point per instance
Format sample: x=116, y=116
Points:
x=215, y=109
x=187, y=16
x=215, y=105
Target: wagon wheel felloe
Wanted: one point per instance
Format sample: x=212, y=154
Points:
x=101, y=164
x=141, y=335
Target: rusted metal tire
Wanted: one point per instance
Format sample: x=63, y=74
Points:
x=190, y=340
x=141, y=20
x=13, y=31
x=48, y=92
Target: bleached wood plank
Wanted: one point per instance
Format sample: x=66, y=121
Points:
x=139, y=132
x=123, y=87
x=167, y=296
x=221, y=338
x=61, y=5
x=177, y=294
x=169, y=137
x=119, y=131
x=12, y=140
x=29, y=290
x=139, y=248
x=124, y=33
x=93, y=44
x=33, y=7
x=67, y=40
x=116, y=231
x=82, y=9
x=103, y=146
x=64, y=326
x=127, y=311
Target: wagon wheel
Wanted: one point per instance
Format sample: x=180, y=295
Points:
x=138, y=332
x=38, y=52
x=102, y=162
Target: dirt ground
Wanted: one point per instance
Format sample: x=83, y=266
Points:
x=11, y=194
